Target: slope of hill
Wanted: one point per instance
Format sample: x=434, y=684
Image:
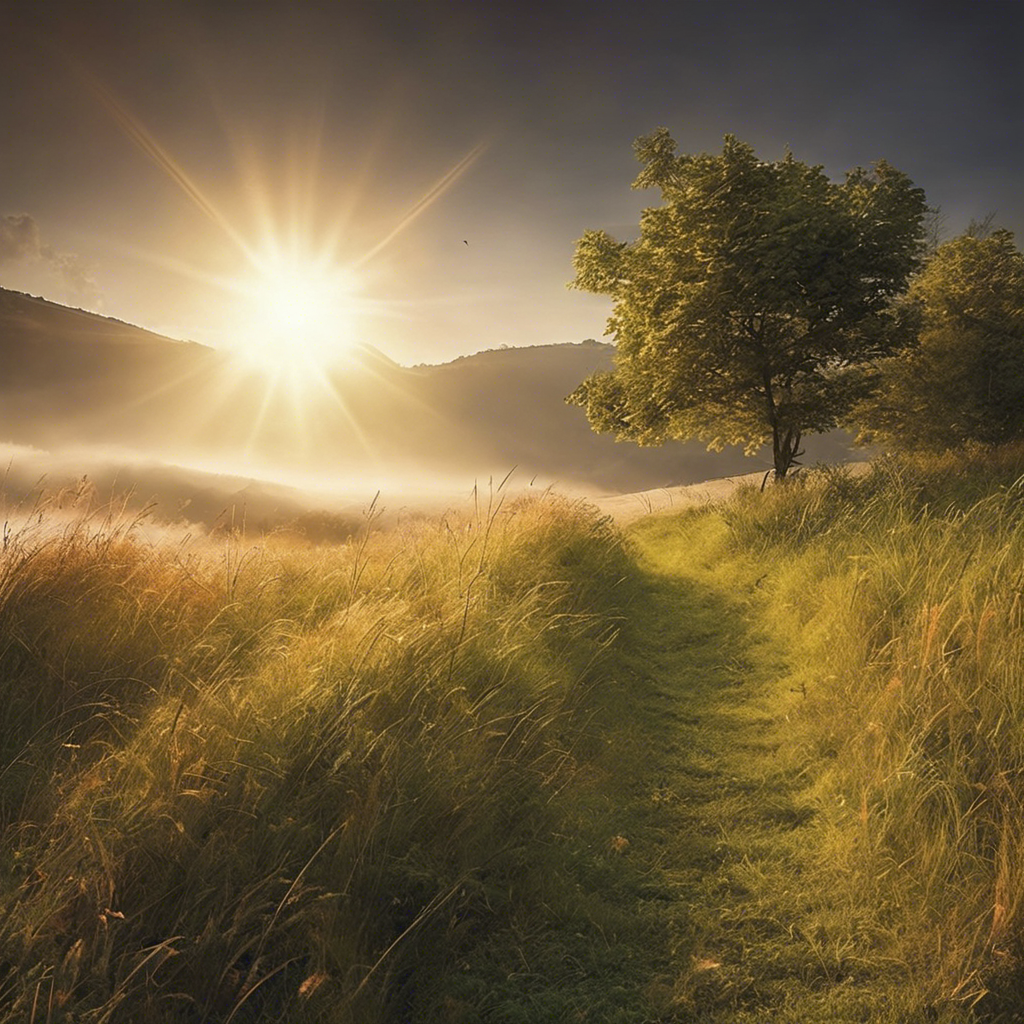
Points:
x=72, y=377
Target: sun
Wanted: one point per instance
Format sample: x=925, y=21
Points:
x=296, y=316
x=295, y=310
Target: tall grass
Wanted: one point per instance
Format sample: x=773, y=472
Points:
x=903, y=594
x=258, y=784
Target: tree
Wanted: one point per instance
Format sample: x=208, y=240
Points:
x=749, y=293
x=962, y=378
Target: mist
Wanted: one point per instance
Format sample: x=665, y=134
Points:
x=195, y=435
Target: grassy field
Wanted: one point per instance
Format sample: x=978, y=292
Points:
x=899, y=601
x=864, y=786
x=248, y=785
x=759, y=761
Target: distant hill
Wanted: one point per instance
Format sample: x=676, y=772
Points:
x=75, y=378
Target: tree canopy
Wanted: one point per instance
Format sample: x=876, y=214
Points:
x=962, y=378
x=749, y=293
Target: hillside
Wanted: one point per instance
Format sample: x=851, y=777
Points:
x=73, y=378
x=756, y=761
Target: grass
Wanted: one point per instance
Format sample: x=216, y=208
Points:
x=758, y=761
x=896, y=603
x=257, y=786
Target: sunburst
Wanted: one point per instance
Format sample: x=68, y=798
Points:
x=298, y=304
x=297, y=316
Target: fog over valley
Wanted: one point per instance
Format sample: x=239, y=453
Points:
x=206, y=437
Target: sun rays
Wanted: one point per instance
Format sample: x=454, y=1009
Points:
x=299, y=301
x=295, y=316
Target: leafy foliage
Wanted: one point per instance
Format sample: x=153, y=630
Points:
x=963, y=379
x=749, y=292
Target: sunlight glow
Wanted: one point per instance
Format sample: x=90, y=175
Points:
x=294, y=311
x=296, y=317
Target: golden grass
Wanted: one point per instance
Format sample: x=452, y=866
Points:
x=339, y=784
x=255, y=784
x=901, y=597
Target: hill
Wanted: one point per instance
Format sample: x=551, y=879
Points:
x=73, y=378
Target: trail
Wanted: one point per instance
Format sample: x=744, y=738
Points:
x=717, y=813
x=694, y=877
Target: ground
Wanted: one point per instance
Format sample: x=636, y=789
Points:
x=699, y=834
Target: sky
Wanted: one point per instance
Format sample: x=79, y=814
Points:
x=166, y=162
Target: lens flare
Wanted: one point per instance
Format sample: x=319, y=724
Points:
x=295, y=310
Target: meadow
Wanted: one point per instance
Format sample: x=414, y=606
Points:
x=250, y=784
x=760, y=759
x=898, y=599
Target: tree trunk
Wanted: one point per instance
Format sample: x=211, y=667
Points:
x=785, y=450
x=785, y=443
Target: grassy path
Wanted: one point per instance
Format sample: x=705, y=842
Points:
x=732, y=916
x=702, y=871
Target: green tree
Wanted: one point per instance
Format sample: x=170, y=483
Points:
x=962, y=379
x=749, y=293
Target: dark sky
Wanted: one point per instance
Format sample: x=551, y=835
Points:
x=149, y=150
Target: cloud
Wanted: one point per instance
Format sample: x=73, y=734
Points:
x=72, y=270
x=20, y=242
x=19, y=238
